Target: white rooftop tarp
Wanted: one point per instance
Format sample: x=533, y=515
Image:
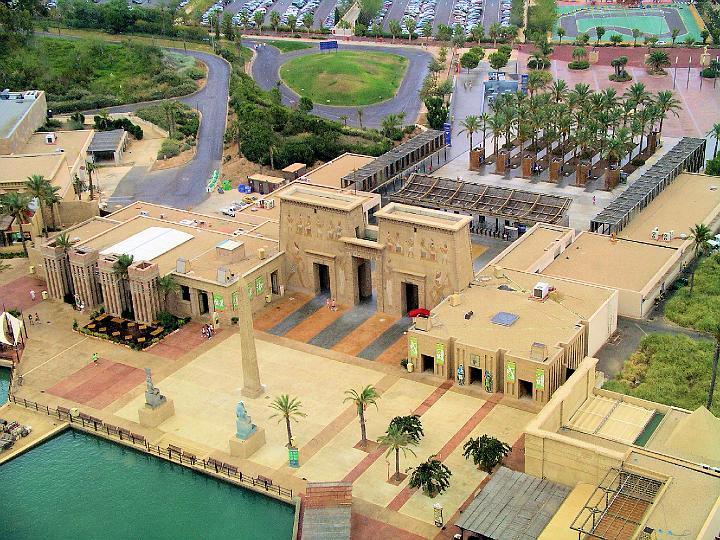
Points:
x=149, y=244
x=13, y=324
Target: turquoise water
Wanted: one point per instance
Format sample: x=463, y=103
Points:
x=77, y=486
x=4, y=384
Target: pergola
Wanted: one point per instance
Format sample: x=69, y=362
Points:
x=482, y=199
x=616, y=508
x=687, y=155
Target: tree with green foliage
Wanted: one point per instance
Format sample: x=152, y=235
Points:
x=561, y=34
x=274, y=19
x=599, y=33
x=618, y=65
x=495, y=31
x=667, y=103
x=689, y=41
x=360, y=113
x=396, y=441
x=292, y=22
x=437, y=111
x=368, y=10
x=307, y=20
x=395, y=29
x=636, y=34
x=15, y=204
x=656, y=61
x=704, y=35
x=410, y=424
x=287, y=408
x=228, y=27
x=410, y=24
x=616, y=39
x=444, y=33
x=674, y=33
x=477, y=33
x=427, y=30
x=470, y=125
x=458, y=37
x=167, y=285
x=120, y=269
x=485, y=451
x=305, y=104
x=469, y=60
x=258, y=19
x=344, y=119
x=244, y=19
x=497, y=60
x=362, y=400
x=432, y=476
x=38, y=187
x=716, y=134
x=700, y=235
x=582, y=39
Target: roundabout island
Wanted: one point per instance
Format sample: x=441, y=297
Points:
x=345, y=78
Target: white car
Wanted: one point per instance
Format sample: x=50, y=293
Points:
x=228, y=211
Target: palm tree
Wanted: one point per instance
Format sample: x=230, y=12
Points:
x=561, y=34
x=62, y=240
x=637, y=95
x=410, y=24
x=396, y=441
x=360, y=112
x=496, y=123
x=258, y=18
x=120, y=269
x=495, y=31
x=90, y=167
x=395, y=29
x=700, y=234
x=485, y=451
x=636, y=34
x=470, y=125
x=244, y=19
x=559, y=90
x=666, y=103
x=657, y=60
x=167, y=285
x=15, y=204
x=52, y=199
x=287, y=409
x=674, y=33
x=713, y=374
x=37, y=187
x=344, y=119
x=432, y=476
x=716, y=134
x=367, y=396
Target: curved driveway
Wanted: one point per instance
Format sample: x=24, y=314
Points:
x=266, y=66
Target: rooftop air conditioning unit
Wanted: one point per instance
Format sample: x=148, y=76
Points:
x=144, y=213
x=667, y=236
x=655, y=234
x=541, y=290
x=50, y=138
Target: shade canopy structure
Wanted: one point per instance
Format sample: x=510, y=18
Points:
x=687, y=155
x=483, y=199
x=10, y=329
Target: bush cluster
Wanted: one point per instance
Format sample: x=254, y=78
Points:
x=579, y=64
x=103, y=123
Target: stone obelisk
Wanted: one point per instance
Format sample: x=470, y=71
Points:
x=251, y=373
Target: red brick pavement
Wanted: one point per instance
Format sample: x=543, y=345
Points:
x=98, y=385
x=16, y=294
x=181, y=342
x=404, y=496
x=366, y=528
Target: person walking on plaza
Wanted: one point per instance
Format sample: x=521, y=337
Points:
x=32, y=295
x=95, y=358
x=37, y=317
x=30, y=318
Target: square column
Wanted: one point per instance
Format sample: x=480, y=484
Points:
x=83, y=269
x=143, y=288
x=57, y=270
x=110, y=284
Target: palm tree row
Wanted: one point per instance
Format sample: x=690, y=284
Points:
x=561, y=119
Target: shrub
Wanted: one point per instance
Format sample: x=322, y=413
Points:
x=404, y=363
x=708, y=73
x=623, y=77
x=195, y=73
x=169, y=148
x=638, y=162
x=579, y=64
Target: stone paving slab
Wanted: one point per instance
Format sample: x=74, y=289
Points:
x=315, y=323
x=341, y=327
x=365, y=334
x=278, y=310
x=298, y=316
x=386, y=339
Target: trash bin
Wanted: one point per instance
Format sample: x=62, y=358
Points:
x=44, y=295
x=32, y=269
x=268, y=298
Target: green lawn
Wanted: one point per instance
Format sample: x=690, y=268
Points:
x=674, y=370
x=345, y=78
x=287, y=46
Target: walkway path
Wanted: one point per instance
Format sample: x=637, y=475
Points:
x=265, y=71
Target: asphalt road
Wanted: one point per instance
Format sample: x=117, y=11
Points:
x=185, y=186
x=395, y=13
x=266, y=67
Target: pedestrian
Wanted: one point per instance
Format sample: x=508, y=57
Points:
x=334, y=305
x=593, y=200
x=30, y=318
x=327, y=302
x=37, y=317
x=203, y=331
x=95, y=358
x=32, y=295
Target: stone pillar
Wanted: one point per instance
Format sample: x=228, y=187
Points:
x=143, y=289
x=57, y=270
x=612, y=178
x=110, y=284
x=83, y=268
x=501, y=162
x=555, y=173
x=527, y=165
x=581, y=173
x=252, y=387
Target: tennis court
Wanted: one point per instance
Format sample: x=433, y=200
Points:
x=658, y=20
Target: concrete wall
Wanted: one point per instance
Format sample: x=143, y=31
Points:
x=557, y=457
x=544, y=258
x=602, y=324
x=33, y=119
x=74, y=211
x=711, y=527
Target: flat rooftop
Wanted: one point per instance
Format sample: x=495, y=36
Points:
x=199, y=249
x=12, y=111
x=611, y=418
x=689, y=199
x=549, y=322
x=423, y=216
x=72, y=143
x=106, y=141
x=623, y=264
x=321, y=196
x=88, y=229
x=16, y=168
x=267, y=178
x=333, y=171
x=532, y=245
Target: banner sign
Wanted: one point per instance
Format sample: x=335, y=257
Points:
x=250, y=290
x=259, y=285
x=447, y=129
x=412, y=348
x=510, y=371
x=294, y=457
x=439, y=353
x=327, y=45
x=235, y=300
x=524, y=82
x=539, y=379
x=218, y=302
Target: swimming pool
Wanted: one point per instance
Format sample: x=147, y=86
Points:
x=79, y=486
x=4, y=384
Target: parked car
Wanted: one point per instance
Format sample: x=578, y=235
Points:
x=228, y=211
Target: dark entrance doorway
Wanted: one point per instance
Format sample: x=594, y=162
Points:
x=475, y=376
x=410, y=296
x=568, y=372
x=204, y=303
x=364, y=280
x=274, y=283
x=525, y=389
x=427, y=363
x=322, y=278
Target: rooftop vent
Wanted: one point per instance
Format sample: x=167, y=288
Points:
x=541, y=290
x=503, y=318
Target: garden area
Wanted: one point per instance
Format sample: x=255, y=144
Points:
x=130, y=333
x=179, y=120
x=87, y=73
x=345, y=78
x=288, y=46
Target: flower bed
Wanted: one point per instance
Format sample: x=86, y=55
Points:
x=130, y=333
